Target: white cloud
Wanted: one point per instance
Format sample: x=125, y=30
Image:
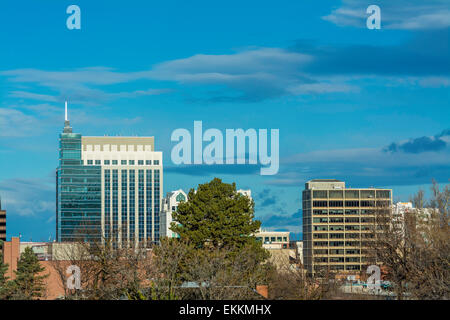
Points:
x=14, y=123
x=398, y=14
x=28, y=197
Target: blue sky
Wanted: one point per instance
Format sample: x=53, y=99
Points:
x=366, y=106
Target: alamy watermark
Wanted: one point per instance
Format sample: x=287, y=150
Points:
x=374, y=20
x=219, y=152
x=74, y=20
x=74, y=280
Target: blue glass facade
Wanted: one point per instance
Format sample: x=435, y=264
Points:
x=125, y=199
x=78, y=192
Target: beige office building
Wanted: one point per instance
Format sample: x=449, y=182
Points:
x=338, y=223
x=131, y=183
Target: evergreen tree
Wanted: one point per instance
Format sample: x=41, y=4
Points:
x=3, y=270
x=5, y=285
x=29, y=282
x=216, y=215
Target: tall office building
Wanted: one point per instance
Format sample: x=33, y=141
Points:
x=108, y=188
x=338, y=223
x=2, y=222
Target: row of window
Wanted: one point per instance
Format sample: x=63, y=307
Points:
x=352, y=194
x=341, y=228
x=341, y=235
x=337, y=268
x=272, y=239
x=337, y=251
x=347, y=220
x=346, y=211
x=351, y=203
x=123, y=162
x=340, y=243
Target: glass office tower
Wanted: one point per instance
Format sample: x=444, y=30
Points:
x=108, y=188
x=78, y=192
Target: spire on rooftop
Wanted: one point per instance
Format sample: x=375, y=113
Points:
x=67, y=127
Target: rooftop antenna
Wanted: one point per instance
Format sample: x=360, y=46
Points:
x=65, y=116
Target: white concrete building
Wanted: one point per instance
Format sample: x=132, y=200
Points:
x=247, y=193
x=169, y=205
x=273, y=239
x=131, y=184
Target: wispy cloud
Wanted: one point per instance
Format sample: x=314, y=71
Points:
x=398, y=14
x=422, y=144
x=28, y=197
x=283, y=222
x=15, y=123
x=414, y=161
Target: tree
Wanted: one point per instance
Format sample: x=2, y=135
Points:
x=415, y=246
x=216, y=215
x=29, y=282
x=3, y=278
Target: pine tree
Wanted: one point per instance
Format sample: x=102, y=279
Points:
x=216, y=215
x=3, y=270
x=29, y=282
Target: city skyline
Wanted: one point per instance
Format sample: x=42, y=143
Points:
x=369, y=107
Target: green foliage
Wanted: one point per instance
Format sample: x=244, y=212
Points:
x=218, y=225
x=216, y=215
x=29, y=282
x=4, y=285
x=3, y=270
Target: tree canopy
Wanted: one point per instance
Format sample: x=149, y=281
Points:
x=217, y=215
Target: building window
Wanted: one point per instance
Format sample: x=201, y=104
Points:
x=140, y=162
x=90, y=162
x=156, y=162
x=320, y=194
x=336, y=203
x=351, y=194
x=320, y=203
x=98, y=162
x=131, y=162
x=336, y=194
x=148, y=162
x=114, y=162
x=123, y=162
x=353, y=203
x=106, y=162
x=383, y=194
x=367, y=194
